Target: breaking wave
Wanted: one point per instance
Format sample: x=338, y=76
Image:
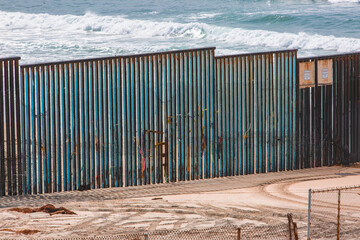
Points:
x=63, y=27
x=344, y=1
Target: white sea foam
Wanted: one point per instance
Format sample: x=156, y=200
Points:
x=91, y=33
x=203, y=16
x=288, y=40
x=344, y=1
x=153, y=13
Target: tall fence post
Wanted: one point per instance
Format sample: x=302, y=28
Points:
x=309, y=214
x=239, y=234
x=338, y=216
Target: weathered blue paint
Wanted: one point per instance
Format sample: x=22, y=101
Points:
x=154, y=118
x=251, y=110
x=265, y=116
x=294, y=110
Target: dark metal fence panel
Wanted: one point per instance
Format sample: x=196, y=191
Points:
x=256, y=113
x=10, y=147
x=329, y=114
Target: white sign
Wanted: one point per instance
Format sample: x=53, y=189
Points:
x=307, y=75
x=325, y=73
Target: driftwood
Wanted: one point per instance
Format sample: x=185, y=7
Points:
x=25, y=231
x=48, y=208
x=157, y=198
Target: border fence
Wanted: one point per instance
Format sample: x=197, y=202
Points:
x=122, y=121
x=329, y=112
x=255, y=124
x=172, y=116
x=335, y=210
x=10, y=154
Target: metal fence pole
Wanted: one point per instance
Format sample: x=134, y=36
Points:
x=309, y=214
x=338, y=216
x=239, y=234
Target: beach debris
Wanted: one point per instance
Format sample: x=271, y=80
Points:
x=48, y=208
x=157, y=198
x=25, y=231
x=84, y=187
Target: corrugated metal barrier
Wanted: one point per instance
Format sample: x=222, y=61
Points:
x=256, y=107
x=10, y=155
x=172, y=116
x=329, y=112
x=121, y=121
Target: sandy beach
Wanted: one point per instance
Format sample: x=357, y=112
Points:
x=257, y=200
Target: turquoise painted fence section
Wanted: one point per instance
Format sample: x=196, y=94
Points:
x=256, y=113
x=146, y=119
x=121, y=121
x=166, y=116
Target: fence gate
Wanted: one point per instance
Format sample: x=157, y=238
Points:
x=329, y=110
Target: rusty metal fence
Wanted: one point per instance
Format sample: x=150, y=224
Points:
x=172, y=116
x=10, y=153
x=329, y=111
x=121, y=121
x=333, y=213
x=256, y=107
x=147, y=119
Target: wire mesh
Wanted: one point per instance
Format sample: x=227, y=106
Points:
x=125, y=236
x=276, y=232
x=335, y=213
x=349, y=213
x=217, y=233
x=227, y=232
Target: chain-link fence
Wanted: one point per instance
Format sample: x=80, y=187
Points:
x=334, y=213
x=285, y=231
x=265, y=232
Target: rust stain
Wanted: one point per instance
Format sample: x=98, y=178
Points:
x=188, y=168
x=96, y=145
x=158, y=144
x=152, y=131
x=203, y=145
x=169, y=119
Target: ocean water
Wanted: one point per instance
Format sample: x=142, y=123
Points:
x=44, y=30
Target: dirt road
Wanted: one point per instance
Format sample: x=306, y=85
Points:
x=262, y=199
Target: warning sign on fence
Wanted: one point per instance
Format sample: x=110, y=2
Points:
x=324, y=69
x=307, y=74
